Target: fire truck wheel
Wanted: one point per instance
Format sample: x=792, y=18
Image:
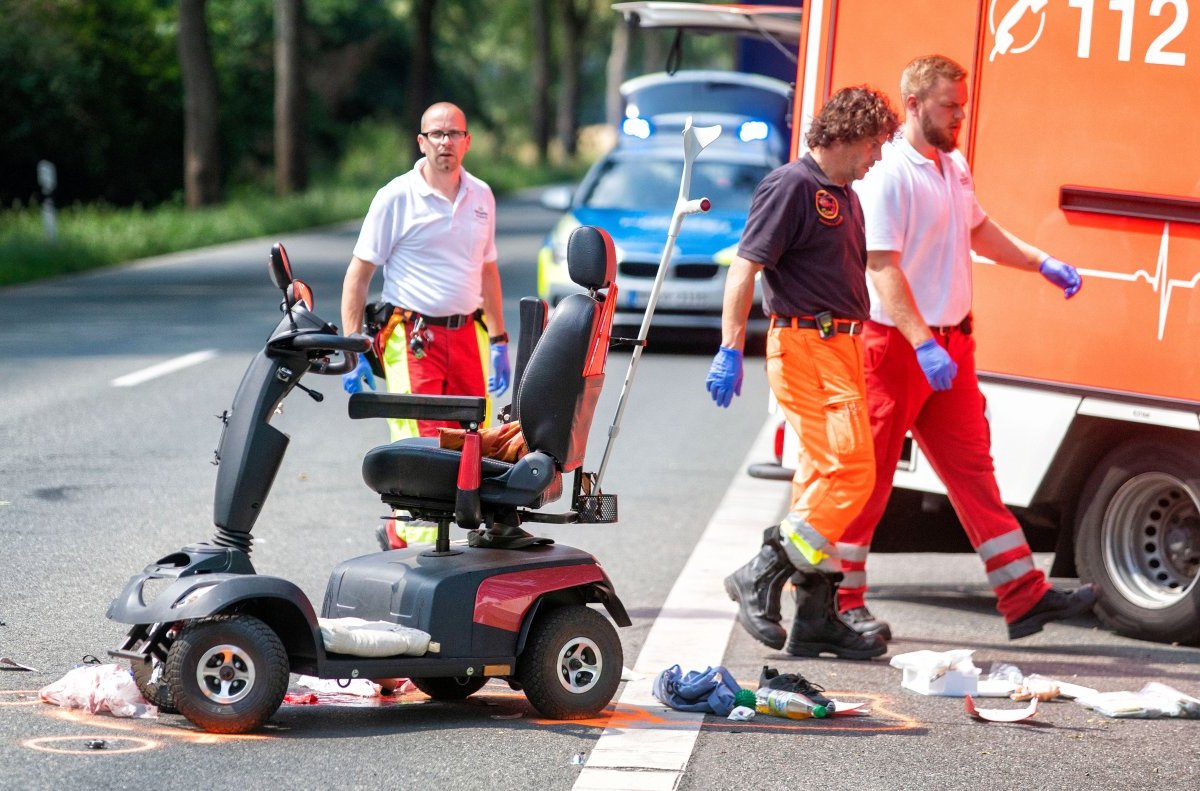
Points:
x=1138, y=538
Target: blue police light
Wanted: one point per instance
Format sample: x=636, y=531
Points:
x=753, y=130
x=636, y=127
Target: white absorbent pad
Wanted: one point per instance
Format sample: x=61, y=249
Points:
x=357, y=637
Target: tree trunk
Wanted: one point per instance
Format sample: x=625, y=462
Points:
x=618, y=57
x=423, y=66
x=201, y=143
x=574, y=27
x=542, y=128
x=291, y=165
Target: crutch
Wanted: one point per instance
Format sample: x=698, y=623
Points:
x=695, y=140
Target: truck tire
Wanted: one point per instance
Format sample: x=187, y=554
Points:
x=1138, y=538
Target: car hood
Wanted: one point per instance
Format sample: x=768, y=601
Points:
x=646, y=232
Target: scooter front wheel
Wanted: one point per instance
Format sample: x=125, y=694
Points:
x=571, y=664
x=148, y=675
x=227, y=674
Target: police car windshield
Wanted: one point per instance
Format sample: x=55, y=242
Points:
x=653, y=185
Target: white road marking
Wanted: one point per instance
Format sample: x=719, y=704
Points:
x=164, y=368
x=691, y=631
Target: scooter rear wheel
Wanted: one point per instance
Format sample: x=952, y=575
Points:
x=571, y=664
x=227, y=674
x=449, y=687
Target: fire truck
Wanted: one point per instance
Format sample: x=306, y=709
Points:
x=1080, y=137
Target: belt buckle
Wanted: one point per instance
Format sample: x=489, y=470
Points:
x=455, y=322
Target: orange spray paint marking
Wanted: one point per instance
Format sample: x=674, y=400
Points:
x=49, y=744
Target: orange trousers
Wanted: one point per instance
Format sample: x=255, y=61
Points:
x=820, y=387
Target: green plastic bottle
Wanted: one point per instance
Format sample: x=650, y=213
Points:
x=781, y=703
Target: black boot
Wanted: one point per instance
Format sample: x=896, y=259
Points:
x=862, y=621
x=756, y=588
x=818, y=628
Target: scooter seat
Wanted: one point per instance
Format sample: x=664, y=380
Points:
x=417, y=468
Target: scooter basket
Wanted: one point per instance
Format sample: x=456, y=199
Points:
x=596, y=508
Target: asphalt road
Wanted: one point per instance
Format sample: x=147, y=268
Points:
x=96, y=481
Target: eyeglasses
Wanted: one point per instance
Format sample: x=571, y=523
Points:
x=440, y=135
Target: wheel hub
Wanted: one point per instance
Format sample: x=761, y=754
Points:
x=579, y=664
x=225, y=674
x=1151, y=535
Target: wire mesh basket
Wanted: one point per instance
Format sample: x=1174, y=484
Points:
x=596, y=508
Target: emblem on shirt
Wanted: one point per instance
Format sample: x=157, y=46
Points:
x=829, y=212
x=481, y=214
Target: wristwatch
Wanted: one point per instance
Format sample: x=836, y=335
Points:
x=501, y=338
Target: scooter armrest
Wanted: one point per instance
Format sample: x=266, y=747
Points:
x=462, y=409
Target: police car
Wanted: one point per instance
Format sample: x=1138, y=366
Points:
x=631, y=193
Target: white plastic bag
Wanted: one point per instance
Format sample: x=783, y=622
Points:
x=1151, y=701
x=357, y=637
x=99, y=688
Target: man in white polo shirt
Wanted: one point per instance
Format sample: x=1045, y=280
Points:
x=922, y=221
x=433, y=231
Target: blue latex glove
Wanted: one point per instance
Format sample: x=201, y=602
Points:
x=725, y=376
x=501, y=372
x=352, y=382
x=939, y=369
x=1062, y=275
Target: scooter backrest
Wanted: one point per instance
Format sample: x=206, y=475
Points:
x=591, y=257
x=557, y=394
x=533, y=324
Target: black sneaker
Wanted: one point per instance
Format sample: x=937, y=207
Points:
x=1053, y=606
x=794, y=682
x=862, y=621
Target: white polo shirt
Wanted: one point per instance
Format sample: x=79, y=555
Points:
x=927, y=216
x=432, y=250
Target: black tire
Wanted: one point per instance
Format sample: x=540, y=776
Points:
x=148, y=675
x=227, y=674
x=450, y=687
x=1138, y=538
x=571, y=664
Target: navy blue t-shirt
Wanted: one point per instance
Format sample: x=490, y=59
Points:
x=809, y=235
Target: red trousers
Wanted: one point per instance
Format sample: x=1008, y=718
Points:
x=952, y=430
x=452, y=364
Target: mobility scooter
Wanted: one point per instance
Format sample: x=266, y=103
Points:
x=216, y=641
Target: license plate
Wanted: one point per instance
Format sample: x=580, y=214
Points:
x=667, y=298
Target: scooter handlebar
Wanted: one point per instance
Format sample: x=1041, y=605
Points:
x=336, y=343
x=349, y=345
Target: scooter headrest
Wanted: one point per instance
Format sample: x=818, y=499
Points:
x=591, y=257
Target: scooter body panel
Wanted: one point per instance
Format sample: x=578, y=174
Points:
x=200, y=596
x=473, y=604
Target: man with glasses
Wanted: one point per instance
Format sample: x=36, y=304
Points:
x=433, y=231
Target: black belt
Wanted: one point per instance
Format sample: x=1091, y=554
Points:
x=455, y=322
x=965, y=327
x=809, y=323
